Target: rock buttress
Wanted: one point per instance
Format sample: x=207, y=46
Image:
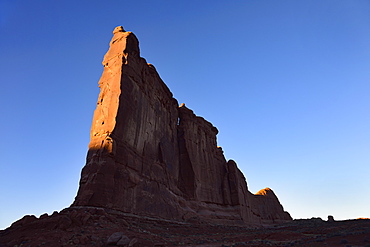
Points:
x=266, y=205
x=132, y=159
x=147, y=156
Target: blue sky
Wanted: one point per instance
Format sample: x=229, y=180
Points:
x=285, y=82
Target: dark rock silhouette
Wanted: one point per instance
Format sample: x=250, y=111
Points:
x=92, y=226
x=150, y=157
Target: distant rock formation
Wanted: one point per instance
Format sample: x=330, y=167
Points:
x=148, y=156
x=331, y=218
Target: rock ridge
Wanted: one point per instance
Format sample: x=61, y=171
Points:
x=151, y=157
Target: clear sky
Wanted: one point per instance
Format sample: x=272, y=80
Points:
x=285, y=82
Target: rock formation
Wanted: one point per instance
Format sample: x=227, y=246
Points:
x=149, y=156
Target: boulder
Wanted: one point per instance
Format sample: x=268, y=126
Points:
x=124, y=241
x=115, y=237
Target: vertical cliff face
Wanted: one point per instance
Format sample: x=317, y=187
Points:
x=132, y=159
x=148, y=156
x=203, y=158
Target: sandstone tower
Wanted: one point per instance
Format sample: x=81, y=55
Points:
x=149, y=156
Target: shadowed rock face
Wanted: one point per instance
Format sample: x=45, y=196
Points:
x=148, y=156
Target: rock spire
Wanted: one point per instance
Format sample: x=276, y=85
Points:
x=148, y=156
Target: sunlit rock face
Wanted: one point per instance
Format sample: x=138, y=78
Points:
x=148, y=156
x=267, y=206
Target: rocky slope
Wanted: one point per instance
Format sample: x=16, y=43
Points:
x=90, y=226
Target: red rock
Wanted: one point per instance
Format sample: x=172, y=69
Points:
x=134, y=243
x=115, y=237
x=124, y=241
x=147, y=156
x=150, y=231
x=269, y=207
x=24, y=221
